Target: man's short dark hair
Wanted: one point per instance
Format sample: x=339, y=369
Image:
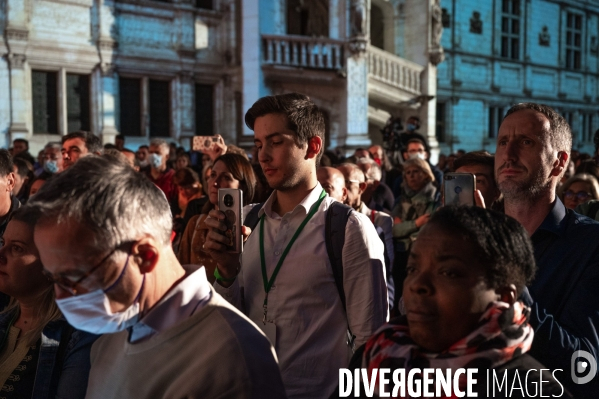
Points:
x=304, y=118
x=501, y=244
x=120, y=137
x=22, y=141
x=560, y=132
x=475, y=158
x=92, y=142
x=143, y=146
x=23, y=166
x=6, y=165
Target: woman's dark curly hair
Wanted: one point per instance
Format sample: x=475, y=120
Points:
x=500, y=242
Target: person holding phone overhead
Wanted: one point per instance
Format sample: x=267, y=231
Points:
x=412, y=210
x=284, y=280
x=229, y=171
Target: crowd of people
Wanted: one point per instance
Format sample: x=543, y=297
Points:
x=116, y=280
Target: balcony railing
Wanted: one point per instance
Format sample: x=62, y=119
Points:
x=393, y=70
x=303, y=52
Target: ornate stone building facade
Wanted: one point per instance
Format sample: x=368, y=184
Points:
x=360, y=60
x=178, y=68
x=503, y=52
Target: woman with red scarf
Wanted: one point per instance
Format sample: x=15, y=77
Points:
x=465, y=273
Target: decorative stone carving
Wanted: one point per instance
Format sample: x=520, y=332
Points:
x=19, y=34
x=476, y=24
x=16, y=61
x=544, y=37
x=359, y=29
x=436, y=23
x=436, y=56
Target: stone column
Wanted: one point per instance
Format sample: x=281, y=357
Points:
x=108, y=94
x=17, y=40
x=357, y=77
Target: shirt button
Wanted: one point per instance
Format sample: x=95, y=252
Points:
x=277, y=253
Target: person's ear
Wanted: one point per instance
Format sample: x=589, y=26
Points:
x=507, y=294
x=560, y=163
x=146, y=251
x=10, y=181
x=314, y=147
x=344, y=194
x=362, y=187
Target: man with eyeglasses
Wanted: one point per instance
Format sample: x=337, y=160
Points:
x=103, y=235
x=533, y=150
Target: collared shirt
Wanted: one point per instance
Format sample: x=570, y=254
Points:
x=188, y=297
x=565, y=289
x=304, y=302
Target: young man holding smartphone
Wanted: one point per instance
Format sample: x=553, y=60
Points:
x=284, y=281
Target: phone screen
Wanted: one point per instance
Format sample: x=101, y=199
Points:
x=459, y=189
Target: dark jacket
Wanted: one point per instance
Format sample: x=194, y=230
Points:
x=565, y=313
x=63, y=365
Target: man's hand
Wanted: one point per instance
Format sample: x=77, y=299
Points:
x=216, y=245
x=479, y=200
x=422, y=220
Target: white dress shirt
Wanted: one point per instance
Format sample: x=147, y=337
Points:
x=304, y=303
x=186, y=298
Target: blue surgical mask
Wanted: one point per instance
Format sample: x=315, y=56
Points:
x=51, y=166
x=411, y=127
x=155, y=160
x=91, y=311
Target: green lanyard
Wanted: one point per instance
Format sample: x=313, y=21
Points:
x=268, y=284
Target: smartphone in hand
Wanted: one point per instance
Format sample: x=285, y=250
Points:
x=459, y=189
x=230, y=202
x=205, y=143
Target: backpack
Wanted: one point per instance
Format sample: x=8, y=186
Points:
x=336, y=219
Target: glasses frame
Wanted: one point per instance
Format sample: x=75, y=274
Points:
x=572, y=195
x=70, y=285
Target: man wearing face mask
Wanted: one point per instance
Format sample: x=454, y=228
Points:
x=53, y=160
x=103, y=236
x=160, y=174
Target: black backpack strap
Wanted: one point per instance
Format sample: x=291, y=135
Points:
x=334, y=232
x=251, y=219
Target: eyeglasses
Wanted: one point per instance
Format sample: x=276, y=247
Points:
x=581, y=195
x=70, y=285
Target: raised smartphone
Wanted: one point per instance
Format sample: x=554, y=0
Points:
x=230, y=202
x=459, y=189
x=205, y=143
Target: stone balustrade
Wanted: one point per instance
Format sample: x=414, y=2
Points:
x=303, y=52
x=393, y=70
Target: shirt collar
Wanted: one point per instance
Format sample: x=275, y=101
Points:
x=177, y=305
x=554, y=222
x=305, y=205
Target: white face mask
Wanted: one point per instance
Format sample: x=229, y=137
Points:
x=415, y=155
x=91, y=311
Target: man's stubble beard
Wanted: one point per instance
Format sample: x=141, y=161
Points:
x=528, y=190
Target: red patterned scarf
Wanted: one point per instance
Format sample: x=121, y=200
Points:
x=503, y=333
